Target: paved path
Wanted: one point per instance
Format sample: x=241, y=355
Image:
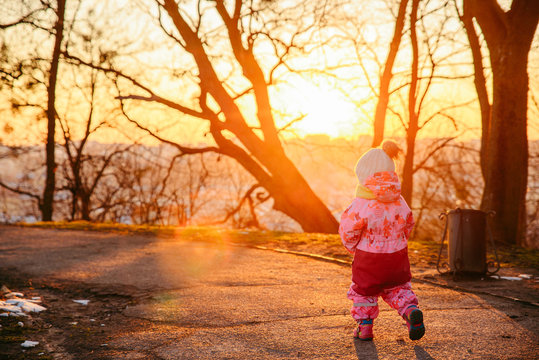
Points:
x=225, y=302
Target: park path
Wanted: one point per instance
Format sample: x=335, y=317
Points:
x=218, y=301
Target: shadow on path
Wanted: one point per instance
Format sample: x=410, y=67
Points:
x=422, y=354
x=365, y=350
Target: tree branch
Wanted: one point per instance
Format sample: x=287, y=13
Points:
x=183, y=149
x=20, y=191
x=491, y=18
x=152, y=97
x=25, y=19
x=252, y=71
x=432, y=152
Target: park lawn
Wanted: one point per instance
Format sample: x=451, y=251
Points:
x=423, y=253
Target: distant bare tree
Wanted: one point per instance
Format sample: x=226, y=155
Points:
x=155, y=187
x=445, y=183
x=422, y=77
x=242, y=198
x=188, y=193
x=84, y=169
x=31, y=19
x=532, y=238
x=21, y=182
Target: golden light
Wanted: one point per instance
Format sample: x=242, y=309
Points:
x=325, y=110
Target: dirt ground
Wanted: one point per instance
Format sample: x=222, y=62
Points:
x=34, y=260
x=65, y=328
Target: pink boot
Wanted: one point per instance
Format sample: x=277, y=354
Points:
x=414, y=322
x=364, y=330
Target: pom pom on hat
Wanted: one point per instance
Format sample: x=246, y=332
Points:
x=391, y=149
x=377, y=160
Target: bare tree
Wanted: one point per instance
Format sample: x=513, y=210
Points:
x=445, y=184
x=508, y=35
x=153, y=185
x=186, y=189
x=83, y=169
x=421, y=78
x=30, y=18
x=48, y=191
x=22, y=182
x=257, y=148
x=413, y=113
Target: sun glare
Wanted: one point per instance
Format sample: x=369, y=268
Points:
x=325, y=109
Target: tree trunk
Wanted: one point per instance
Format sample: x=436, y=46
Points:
x=50, y=182
x=408, y=167
x=480, y=84
x=508, y=36
x=85, y=207
x=293, y=196
x=507, y=158
x=279, y=176
x=413, y=115
x=385, y=79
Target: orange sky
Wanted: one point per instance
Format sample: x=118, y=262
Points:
x=338, y=107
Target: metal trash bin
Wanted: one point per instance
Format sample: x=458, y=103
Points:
x=466, y=230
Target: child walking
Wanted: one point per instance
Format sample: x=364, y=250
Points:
x=375, y=228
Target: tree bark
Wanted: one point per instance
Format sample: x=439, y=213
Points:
x=50, y=181
x=385, y=79
x=293, y=196
x=509, y=36
x=507, y=158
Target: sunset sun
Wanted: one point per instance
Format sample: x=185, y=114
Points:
x=324, y=108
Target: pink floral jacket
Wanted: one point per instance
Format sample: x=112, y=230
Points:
x=377, y=231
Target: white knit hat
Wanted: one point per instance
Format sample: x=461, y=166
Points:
x=373, y=161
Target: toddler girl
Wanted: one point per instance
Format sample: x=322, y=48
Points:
x=376, y=227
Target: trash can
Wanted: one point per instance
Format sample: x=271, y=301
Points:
x=466, y=230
